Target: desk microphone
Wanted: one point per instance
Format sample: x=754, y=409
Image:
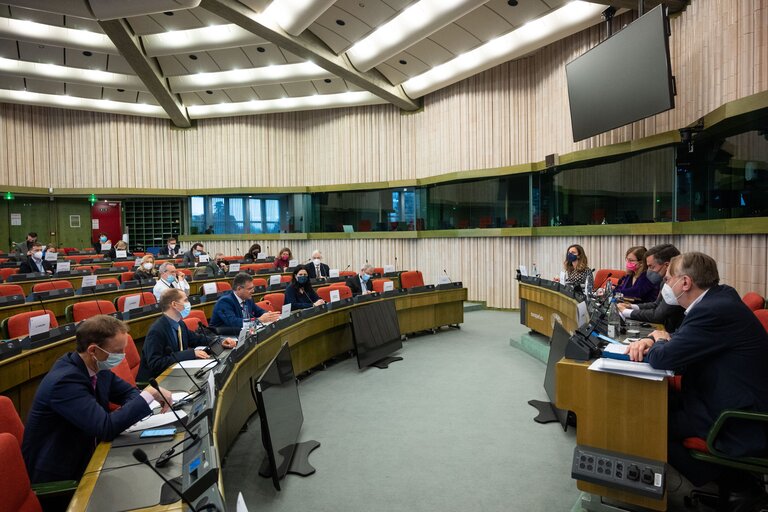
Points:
x=169, y=352
x=141, y=456
x=446, y=275
x=347, y=267
x=207, y=367
x=395, y=263
x=164, y=457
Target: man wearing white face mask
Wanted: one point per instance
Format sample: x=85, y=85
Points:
x=35, y=261
x=316, y=269
x=170, y=279
x=169, y=340
x=171, y=248
x=721, y=351
x=70, y=411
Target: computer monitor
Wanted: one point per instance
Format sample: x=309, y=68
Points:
x=547, y=411
x=376, y=333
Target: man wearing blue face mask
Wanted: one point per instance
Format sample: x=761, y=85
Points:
x=361, y=283
x=70, y=412
x=657, y=312
x=169, y=340
x=721, y=352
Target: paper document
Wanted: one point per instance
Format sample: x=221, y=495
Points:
x=89, y=281
x=274, y=279
x=194, y=363
x=616, y=348
x=178, y=396
x=154, y=421
x=334, y=272
x=63, y=266
x=629, y=369
x=241, y=506
x=234, y=267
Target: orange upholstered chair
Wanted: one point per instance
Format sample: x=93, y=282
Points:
x=5, y=272
x=14, y=482
x=753, y=301
x=602, y=274
x=89, y=308
x=347, y=273
x=146, y=299
x=378, y=270
x=223, y=286
x=18, y=325
x=126, y=276
x=127, y=265
x=109, y=280
x=276, y=300
x=378, y=284
x=132, y=356
x=9, y=419
x=11, y=289
x=265, y=305
x=285, y=279
x=411, y=279
x=762, y=315
x=259, y=281
x=199, y=316
x=52, y=285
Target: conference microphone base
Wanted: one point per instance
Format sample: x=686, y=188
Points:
x=384, y=362
x=299, y=463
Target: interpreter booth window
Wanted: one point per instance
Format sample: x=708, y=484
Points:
x=723, y=178
x=484, y=203
x=235, y=215
x=625, y=190
x=365, y=210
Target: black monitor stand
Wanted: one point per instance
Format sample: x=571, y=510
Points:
x=299, y=464
x=546, y=411
x=384, y=362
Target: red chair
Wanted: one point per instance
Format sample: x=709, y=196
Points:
x=132, y=356
x=9, y=419
x=276, y=300
x=762, y=315
x=87, y=268
x=139, y=254
x=128, y=265
x=378, y=284
x=223, y=286
x=338, y=285
x=259, y=281
x=17, y=326
x=378, y=270
x=602, y=274
x=285, y=279
x=185, y=271
x=347, y=273
x=67, y=250
x=11, y=289
x=14, y=481
x=411, y=279
x=146, y=299
x=109, y=280
x=89, y=308
x=364, y=225
x=52, y=285
x=5, y=272
x=230, y=259
x=486, y=222
x=753, y=301
x=325, y=292
x=265, y=305
x=126, y=276
x=256, y=266
x=196, y=316
x=123, y=370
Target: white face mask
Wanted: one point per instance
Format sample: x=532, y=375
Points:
x=38, y=255
x=668, y=294
x=317, y=261
x=172, y=246
x=147, y=266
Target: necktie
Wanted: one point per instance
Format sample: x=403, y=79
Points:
x=317, y=270
x=178, y=331
x=93, y=382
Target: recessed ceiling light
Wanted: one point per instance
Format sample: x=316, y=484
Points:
x=193, y=57
x=327, y=80
x=168, y=13
x=260, y=49
x=511, y=3
x=341, y=23
x=121, y=90
x=87, y=53
x=403, y=62
x=41, y=46
x=208, y=92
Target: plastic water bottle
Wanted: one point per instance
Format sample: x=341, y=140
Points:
x=608, y=287
x=535, y=271
x=614, y=319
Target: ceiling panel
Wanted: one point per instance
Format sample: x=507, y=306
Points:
x=143, y=25
x=291, y=58
x=146, y=98
x=412, y=67
x=332, y=40
x=77, y=59
x=188, y=63
x=170, y=66
x=232, y=58
x=48, y=18
x=120, y=95
x=430, y=52
x=41, y=53
x=5, y=11
x=118, y=64
x=44, y=86
x=352, y=30
x=82, y=24
x=399, y=5
x=484, y=24
x=256, y=5
x=270, y=92
x=14, y=83
x=242, y=94
x=394, y=75
x=214, y=97
x=173, y=20
x=8, y=49
x=190, y=99
x=299, y=89
x=207, y=18
x=373, y=13
x=455, y=39
x=331, y=86
x=84, y=91
x=353, y=87
x=523, y=12
x=270, y=56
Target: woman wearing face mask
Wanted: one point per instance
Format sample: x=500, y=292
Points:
x=146, y=270
x=576, y=266
x=120, y=246
x=635, y=285
x=253, y=253
x=285, y=256
x=99, y=244
x=169, y=340
x=299, y=293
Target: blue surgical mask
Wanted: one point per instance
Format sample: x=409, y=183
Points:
x=171, y=279
x=366, y=277
x=110, y=362
x=654, y=277
x=187, y=308
x=570, y=257
x=196, y=254
x=301, y=279
x=103, y=239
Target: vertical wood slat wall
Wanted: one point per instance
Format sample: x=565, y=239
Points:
x=514, y=113
x=487, y=266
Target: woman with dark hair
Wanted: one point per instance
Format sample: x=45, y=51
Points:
x=635, y=285
x=299, y=293
x=253, y=253
x=283, y=258
x=576, y=266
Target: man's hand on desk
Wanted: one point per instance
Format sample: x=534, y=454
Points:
x=660, y=335
x=229, y=343
x=201, y=354
x=162, y=396
x=269, y=317
x=638, y=349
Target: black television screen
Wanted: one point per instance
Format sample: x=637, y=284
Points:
x=623, y=79
x=277, y=400
x=376, y=331
x=557, y=346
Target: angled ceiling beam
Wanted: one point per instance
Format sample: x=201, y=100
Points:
x=310, y=47
x=146, y=69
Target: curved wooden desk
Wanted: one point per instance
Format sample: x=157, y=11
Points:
x=312, y=341
x=541, y=307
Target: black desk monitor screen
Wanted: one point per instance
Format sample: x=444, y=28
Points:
x=376, y=332
x=557, y=346
x=277, y=400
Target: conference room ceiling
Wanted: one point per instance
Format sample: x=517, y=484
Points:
x=191, y=59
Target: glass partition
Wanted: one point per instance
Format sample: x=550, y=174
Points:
x=366, y=210
x=272, y=213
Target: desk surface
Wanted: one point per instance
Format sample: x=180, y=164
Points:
x=312, y=341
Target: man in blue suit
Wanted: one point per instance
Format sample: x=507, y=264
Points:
x=70, y=412
x=721, y=351
x=236, y=306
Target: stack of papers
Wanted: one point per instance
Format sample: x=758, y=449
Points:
x=155, y=420
x=630, y=369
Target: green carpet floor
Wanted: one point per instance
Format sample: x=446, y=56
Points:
x=446, y=429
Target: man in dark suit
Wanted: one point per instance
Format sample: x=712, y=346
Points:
x=361, y=283
x=35, y=262
x=169, y=340
x=316, y=269
x=70, y=412
x=657, y=312
x=721, y=351
x=24, y=248
x=171, y=249
x=237, y=306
